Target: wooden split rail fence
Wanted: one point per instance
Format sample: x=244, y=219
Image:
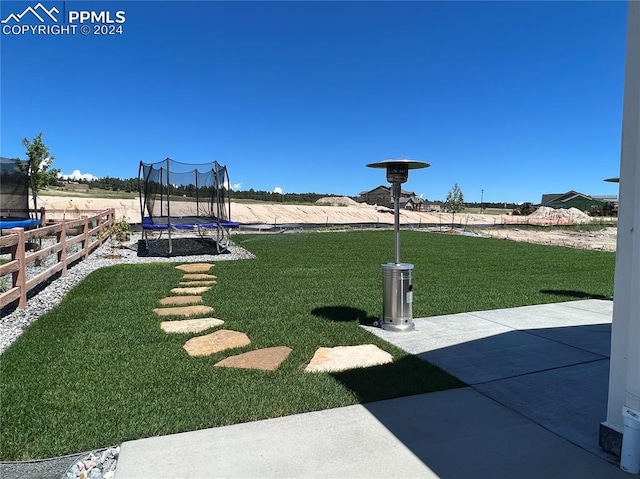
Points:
x=88, y=232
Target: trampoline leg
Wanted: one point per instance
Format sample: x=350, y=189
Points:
x=170, y=244
x=226, y=239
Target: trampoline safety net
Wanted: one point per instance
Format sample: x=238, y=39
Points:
x=14, y=184
x=185, y=197
x=14, y=194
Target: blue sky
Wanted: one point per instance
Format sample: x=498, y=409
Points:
x=513, y=98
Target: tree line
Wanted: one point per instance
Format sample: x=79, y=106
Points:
x=132, y=185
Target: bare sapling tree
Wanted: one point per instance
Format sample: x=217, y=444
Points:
x=40, y=172
x=455, y=201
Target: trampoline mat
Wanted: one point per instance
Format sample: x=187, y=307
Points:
x=180, y=247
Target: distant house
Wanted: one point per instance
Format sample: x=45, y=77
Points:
x=437, y=208
x=381, y=196
x=408, y=203
x=571, y=199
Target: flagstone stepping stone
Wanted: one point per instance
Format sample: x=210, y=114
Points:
x=184, y=310
x=267, y=359
x=196, y=290
x=195, y=267
x=216, y=342
x=342, y=358
x=199, y=276
x=179, y=300
x=197, y=283
x=190, y=325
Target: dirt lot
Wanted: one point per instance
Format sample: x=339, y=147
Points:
x=264, y=213
x=603, y=240
x=351, y=212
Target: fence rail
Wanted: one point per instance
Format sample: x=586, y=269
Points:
x=75, y=240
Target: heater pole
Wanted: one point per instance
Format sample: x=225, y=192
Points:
x=396, y=214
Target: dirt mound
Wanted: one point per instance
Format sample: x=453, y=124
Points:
x=337, y=201
x=553, y=215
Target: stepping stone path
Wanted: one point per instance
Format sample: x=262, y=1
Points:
x=342, y=358
x=185, y=302
x=267, y=359
x=197, y=283
x=195, y=267
x=197, y=290
x=216, y=342
x=185, y=311
x=198, y=277
x=190, y=325
x=180, y=300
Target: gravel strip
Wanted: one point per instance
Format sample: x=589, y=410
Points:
x=14, y=323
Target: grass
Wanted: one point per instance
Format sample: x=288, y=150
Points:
x=596, y=224
x=485, y=211
x=593, y=225
x=97, y=370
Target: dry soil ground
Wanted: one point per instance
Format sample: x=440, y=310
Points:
x=603, y=240
x=351, y=212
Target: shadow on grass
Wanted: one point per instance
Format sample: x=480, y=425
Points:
x=574, y=294
x=343, y=314
x=406, y=376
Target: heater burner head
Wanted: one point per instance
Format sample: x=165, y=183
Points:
x=398, y=168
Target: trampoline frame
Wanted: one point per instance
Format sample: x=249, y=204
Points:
x=8, y=222
x=188, y=223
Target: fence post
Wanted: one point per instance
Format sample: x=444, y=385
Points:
x=62, y=254
x=20, y=277
x=99, y=222
x=85, y=241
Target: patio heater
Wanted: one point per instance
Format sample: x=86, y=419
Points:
x=397, y=287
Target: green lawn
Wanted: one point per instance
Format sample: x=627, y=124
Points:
x=97, y=370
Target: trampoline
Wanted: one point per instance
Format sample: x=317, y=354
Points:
x=185, y=197
x=14, y=195
x=8, y=222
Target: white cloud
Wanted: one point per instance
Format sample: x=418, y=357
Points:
x=45, y=163
x=76, y=175
x=278, y=190
x=234, y=187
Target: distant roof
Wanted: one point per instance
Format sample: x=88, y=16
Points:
x=388, y=188
x=549, y=197
x=10, y=160
x=553, y=197
x=9, y=165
